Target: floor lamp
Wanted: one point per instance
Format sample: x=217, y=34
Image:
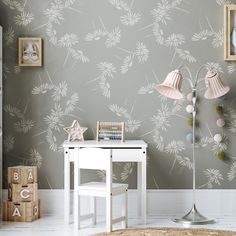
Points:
x=171, y=87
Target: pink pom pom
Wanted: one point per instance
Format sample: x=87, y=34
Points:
x=190, y=97
x=220, y=122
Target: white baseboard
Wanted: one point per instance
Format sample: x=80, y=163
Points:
x=159, y=202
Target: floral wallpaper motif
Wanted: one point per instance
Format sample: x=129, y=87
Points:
x=102, y=61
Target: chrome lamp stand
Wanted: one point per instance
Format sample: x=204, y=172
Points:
x=193, y=217
x=171, y=88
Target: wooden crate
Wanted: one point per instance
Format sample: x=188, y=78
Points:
x=21, y=212
x=22, y=175
x=23, y=193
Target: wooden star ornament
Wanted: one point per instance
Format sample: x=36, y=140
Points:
x=75, y=131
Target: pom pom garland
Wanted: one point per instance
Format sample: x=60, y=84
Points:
x=189, y=97
x=189, y=108
x=217, y=138
x=220, y=155
x=219, y=110
x=220, y=122
x=190, y=121
x=189, y=137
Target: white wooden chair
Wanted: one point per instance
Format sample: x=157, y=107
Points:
x=99, y=159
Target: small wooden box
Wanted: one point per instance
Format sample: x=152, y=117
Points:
x=23, y=193
x=22, y=175
x=21, y=212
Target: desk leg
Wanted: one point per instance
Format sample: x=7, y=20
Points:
x=139, y=188
x=76, y=183
x=66, y=186
x=142, y=188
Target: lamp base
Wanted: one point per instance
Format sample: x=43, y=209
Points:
x=193, y=217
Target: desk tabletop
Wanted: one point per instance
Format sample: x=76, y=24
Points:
x=111, y=144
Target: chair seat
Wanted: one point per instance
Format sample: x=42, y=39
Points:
x=99, y=189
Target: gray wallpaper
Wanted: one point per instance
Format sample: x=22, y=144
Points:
x=102, y=60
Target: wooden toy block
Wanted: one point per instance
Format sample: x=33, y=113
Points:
x=23, y=193
x=22, y=175
x=21, y=212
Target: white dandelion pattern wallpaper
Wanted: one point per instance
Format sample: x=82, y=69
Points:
x=101, y=62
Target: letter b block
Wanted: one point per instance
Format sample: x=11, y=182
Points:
x=22, y=175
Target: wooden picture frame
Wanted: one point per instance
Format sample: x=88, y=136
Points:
x=230, y=32
x=29, y=51
x=110, y=131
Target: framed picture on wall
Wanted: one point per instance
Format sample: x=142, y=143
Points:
x=30, y=51
x=230, y=32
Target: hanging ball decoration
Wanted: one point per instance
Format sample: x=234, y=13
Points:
x=220, y=155
x=189, y=137
x=190, y=121
x=190, y=97
x=219, y=110
x=189, y=108
x=217, y=138
x=220, y=122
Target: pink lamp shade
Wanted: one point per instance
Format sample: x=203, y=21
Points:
x=216, y=88
x=171, y=86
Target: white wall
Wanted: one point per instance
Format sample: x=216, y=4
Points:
x=160, y=202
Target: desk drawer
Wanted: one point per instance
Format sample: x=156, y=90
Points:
x=128, y=155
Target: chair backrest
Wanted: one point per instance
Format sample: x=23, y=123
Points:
x=95, y=159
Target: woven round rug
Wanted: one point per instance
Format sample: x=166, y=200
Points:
x=168, y=232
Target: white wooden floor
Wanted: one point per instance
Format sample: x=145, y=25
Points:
x=53, y=226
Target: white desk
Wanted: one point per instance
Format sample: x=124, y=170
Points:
x=128, y=151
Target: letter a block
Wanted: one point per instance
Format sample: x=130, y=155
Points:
x=21, y=212
x=22, y=175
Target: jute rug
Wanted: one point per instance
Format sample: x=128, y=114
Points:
x=167, y=232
